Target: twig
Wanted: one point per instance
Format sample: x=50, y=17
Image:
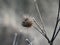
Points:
x=56, y=33
x=38, y=25
x=29, y=42
x=43, y=30
x=14, y=41
x=56, y=24
x=37, y=29
x=39, y=15
x=42, y=33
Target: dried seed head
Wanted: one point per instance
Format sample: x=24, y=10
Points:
x=27, y=21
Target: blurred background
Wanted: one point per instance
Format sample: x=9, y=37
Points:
x=11, y=12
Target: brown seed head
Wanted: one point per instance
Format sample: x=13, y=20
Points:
x=27, y=22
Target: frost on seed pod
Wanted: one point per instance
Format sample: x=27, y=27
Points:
x=27, y=21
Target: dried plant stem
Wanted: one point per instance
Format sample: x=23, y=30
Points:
x=28, y=41
x=56, y=34
x=14, y=41
x=37, y=29
x=40, y=30
x=43, y=30
x=38, y=25
x=56, y=25
x=39, y=15
x=42, y=33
